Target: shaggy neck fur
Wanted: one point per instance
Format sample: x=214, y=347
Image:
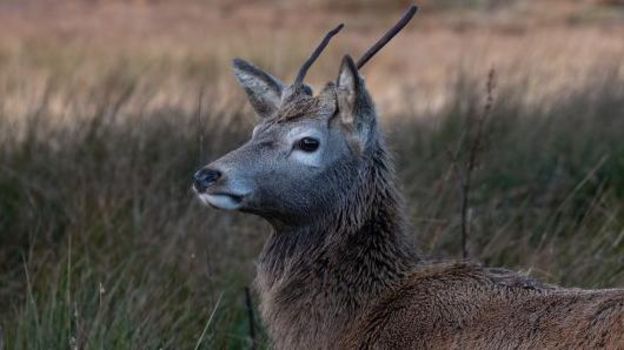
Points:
x=316, y=277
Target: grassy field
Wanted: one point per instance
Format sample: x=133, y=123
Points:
x=106, y=110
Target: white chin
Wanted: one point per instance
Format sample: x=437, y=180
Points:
x=221, y=201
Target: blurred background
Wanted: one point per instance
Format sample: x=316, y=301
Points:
x=108, y=107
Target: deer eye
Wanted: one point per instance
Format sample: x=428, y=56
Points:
x=308, y=144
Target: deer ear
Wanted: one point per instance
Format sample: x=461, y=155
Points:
x=348, y=76
x=355, y=107
x=264, y=91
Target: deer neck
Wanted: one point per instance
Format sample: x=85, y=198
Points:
x=343, y=261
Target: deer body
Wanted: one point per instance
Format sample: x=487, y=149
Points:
x=463, y=306
x=338, y=271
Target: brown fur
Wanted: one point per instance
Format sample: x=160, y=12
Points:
x=459, y=306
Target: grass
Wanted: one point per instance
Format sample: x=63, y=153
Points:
x=102, y=244
x=548, y=192
x=100, y=232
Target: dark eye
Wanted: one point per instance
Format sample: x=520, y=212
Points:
x=308, y=144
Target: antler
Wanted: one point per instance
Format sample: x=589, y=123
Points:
x=316, y=54
x=388, y=36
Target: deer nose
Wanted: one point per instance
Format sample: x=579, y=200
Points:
x=205, y=177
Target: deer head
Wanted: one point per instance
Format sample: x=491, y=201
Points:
x=307, y=151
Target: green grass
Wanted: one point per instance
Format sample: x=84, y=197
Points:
x=104, y=247
x=548, y=192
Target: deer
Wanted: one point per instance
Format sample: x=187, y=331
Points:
x=338, y=269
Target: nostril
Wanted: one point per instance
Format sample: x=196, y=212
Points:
x=205, y=177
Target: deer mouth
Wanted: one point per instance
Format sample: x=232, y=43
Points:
x=225, y=201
